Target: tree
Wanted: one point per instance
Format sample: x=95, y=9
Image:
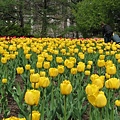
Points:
x=90, y=13
x=12, y=18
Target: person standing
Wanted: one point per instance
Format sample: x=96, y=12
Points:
x=107, y=32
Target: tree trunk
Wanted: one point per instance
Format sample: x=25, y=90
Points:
x=44, y=20
x=21, y=18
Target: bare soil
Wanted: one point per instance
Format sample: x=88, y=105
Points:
x=14, y=110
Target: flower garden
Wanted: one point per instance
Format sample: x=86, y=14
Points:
x=63, y=79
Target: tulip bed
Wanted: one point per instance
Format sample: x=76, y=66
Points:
x=62, y=79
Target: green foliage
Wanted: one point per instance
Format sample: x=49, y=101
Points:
x=14, y=30
x=11, y=21
x=90, y=13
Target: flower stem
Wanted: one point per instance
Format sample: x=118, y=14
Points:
x=113, y=105
x=43, y=104
x=34, y=85
x=90, y=113
x=100, y=110
x=31, y=112
x=65, y=107
x=52, y=96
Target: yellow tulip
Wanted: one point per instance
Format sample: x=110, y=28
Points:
x=73, y=71
x=91, y=98
x=32, y=71
x=102, y=78
x=108, y=63
x=118, y=60
x=111, y=69
x=42, y=74
x=12, y=48
x=88, y=66
x=60, y=69
x=112, y=52
x=20, y=70
x=53, y=72
x=100, y=51
x=13, y=118
x=108, y=47
x=71, y=50
x=3, y=60
x=1, y=50
x=56, y=52
x=4, y=80
x=81, y=55
x=44, y=82
x=98, y=82
x=66, y=62
x=107, y=75
x=112, y=83
x=32, y=97
x=100, y=63
x=102, y=57
x=100, y=100
x=65, y=87
x=90, y=62
x=90, y=50
x=81, y=67
x=46, y=65
x=12, y=56
x=40, y=59
x=35, y=115
x=26, y=51
x=16, y=53
x=94, y=76
x=49, y=58
x=117, y=56
x=59, y=59
x=117, y=103
x=27, y=56
x=91, y=89
x=107, y=53
x=70, y=64
x=76, y=50
x=27, y=66
x=21, y=119
x=72, y=59
x=87, y=72
x=34, y=78
x=39, y=64
x=63, y=51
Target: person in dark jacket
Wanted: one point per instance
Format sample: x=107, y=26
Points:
x=107, y=32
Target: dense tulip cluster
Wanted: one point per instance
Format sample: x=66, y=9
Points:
x=95, y=97
x=57, y=72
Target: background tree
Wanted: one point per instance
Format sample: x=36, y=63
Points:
x=61, y=18
x=12, y=18
x=89, y=15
